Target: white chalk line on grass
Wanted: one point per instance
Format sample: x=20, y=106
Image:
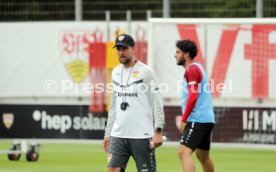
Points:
x=166, y=143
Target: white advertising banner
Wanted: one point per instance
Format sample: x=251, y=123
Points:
x=52, y=59
x=240, y=59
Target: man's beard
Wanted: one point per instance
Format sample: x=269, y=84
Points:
x=126, y=61
x=181, y=62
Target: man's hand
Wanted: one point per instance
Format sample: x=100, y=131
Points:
x=106, y=143
x=157, y=140
x=182, y=127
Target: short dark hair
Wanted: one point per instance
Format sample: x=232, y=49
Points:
x=187, y=46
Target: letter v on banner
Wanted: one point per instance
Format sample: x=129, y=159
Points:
x=223, y=54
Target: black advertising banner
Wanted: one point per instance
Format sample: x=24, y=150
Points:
x=245, y=125
x=51, y=121
x=233, y=124
x=172, y=120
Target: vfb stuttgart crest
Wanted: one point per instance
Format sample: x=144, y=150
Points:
x=75, y=53
x=8, y=119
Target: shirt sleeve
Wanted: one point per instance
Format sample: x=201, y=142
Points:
x=111, y=115
x=193, y=77
x=155, y=99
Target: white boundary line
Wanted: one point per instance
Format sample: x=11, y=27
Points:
x=232, y=145
x=166, y=143
x=245, y=146
x=214, y=20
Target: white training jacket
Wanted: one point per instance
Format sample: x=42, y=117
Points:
x=145, y=111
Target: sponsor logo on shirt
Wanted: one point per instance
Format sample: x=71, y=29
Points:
x=120, y=94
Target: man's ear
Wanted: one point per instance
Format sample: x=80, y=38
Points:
x=186, y=54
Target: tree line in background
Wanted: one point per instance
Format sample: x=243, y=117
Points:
x=64, y=10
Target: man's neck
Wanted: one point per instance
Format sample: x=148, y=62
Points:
x=187, y=63
x=131, y=63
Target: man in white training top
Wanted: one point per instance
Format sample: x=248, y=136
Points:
x=136, y=115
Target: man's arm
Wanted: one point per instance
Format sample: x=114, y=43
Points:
x=193, y=77
x=157, y=107
x=191, y=101
x=110, y=122
x=155, y=99
x=111, y=115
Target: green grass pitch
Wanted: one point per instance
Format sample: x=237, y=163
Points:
x=57, y=157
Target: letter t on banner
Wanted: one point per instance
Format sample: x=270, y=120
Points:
x=260, y=51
